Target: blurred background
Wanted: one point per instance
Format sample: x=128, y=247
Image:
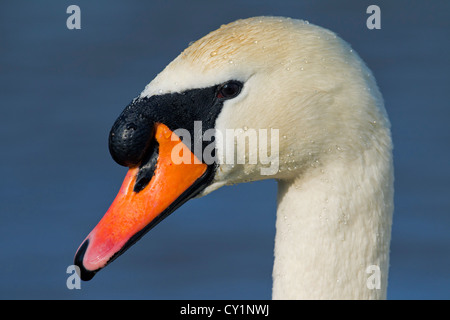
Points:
x=61, y=90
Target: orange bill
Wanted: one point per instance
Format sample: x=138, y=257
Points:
x=133, y=212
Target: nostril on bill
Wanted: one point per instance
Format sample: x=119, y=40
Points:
x=148, y=167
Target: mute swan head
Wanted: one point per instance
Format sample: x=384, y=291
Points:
x=295, y=80
x=298, y=78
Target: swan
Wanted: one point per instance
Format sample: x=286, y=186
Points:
x=332, y=153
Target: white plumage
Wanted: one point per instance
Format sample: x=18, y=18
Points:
x=335, y=196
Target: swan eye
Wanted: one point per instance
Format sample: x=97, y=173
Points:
x=229, y=90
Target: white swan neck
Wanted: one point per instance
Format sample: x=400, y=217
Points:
x=333, y=232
